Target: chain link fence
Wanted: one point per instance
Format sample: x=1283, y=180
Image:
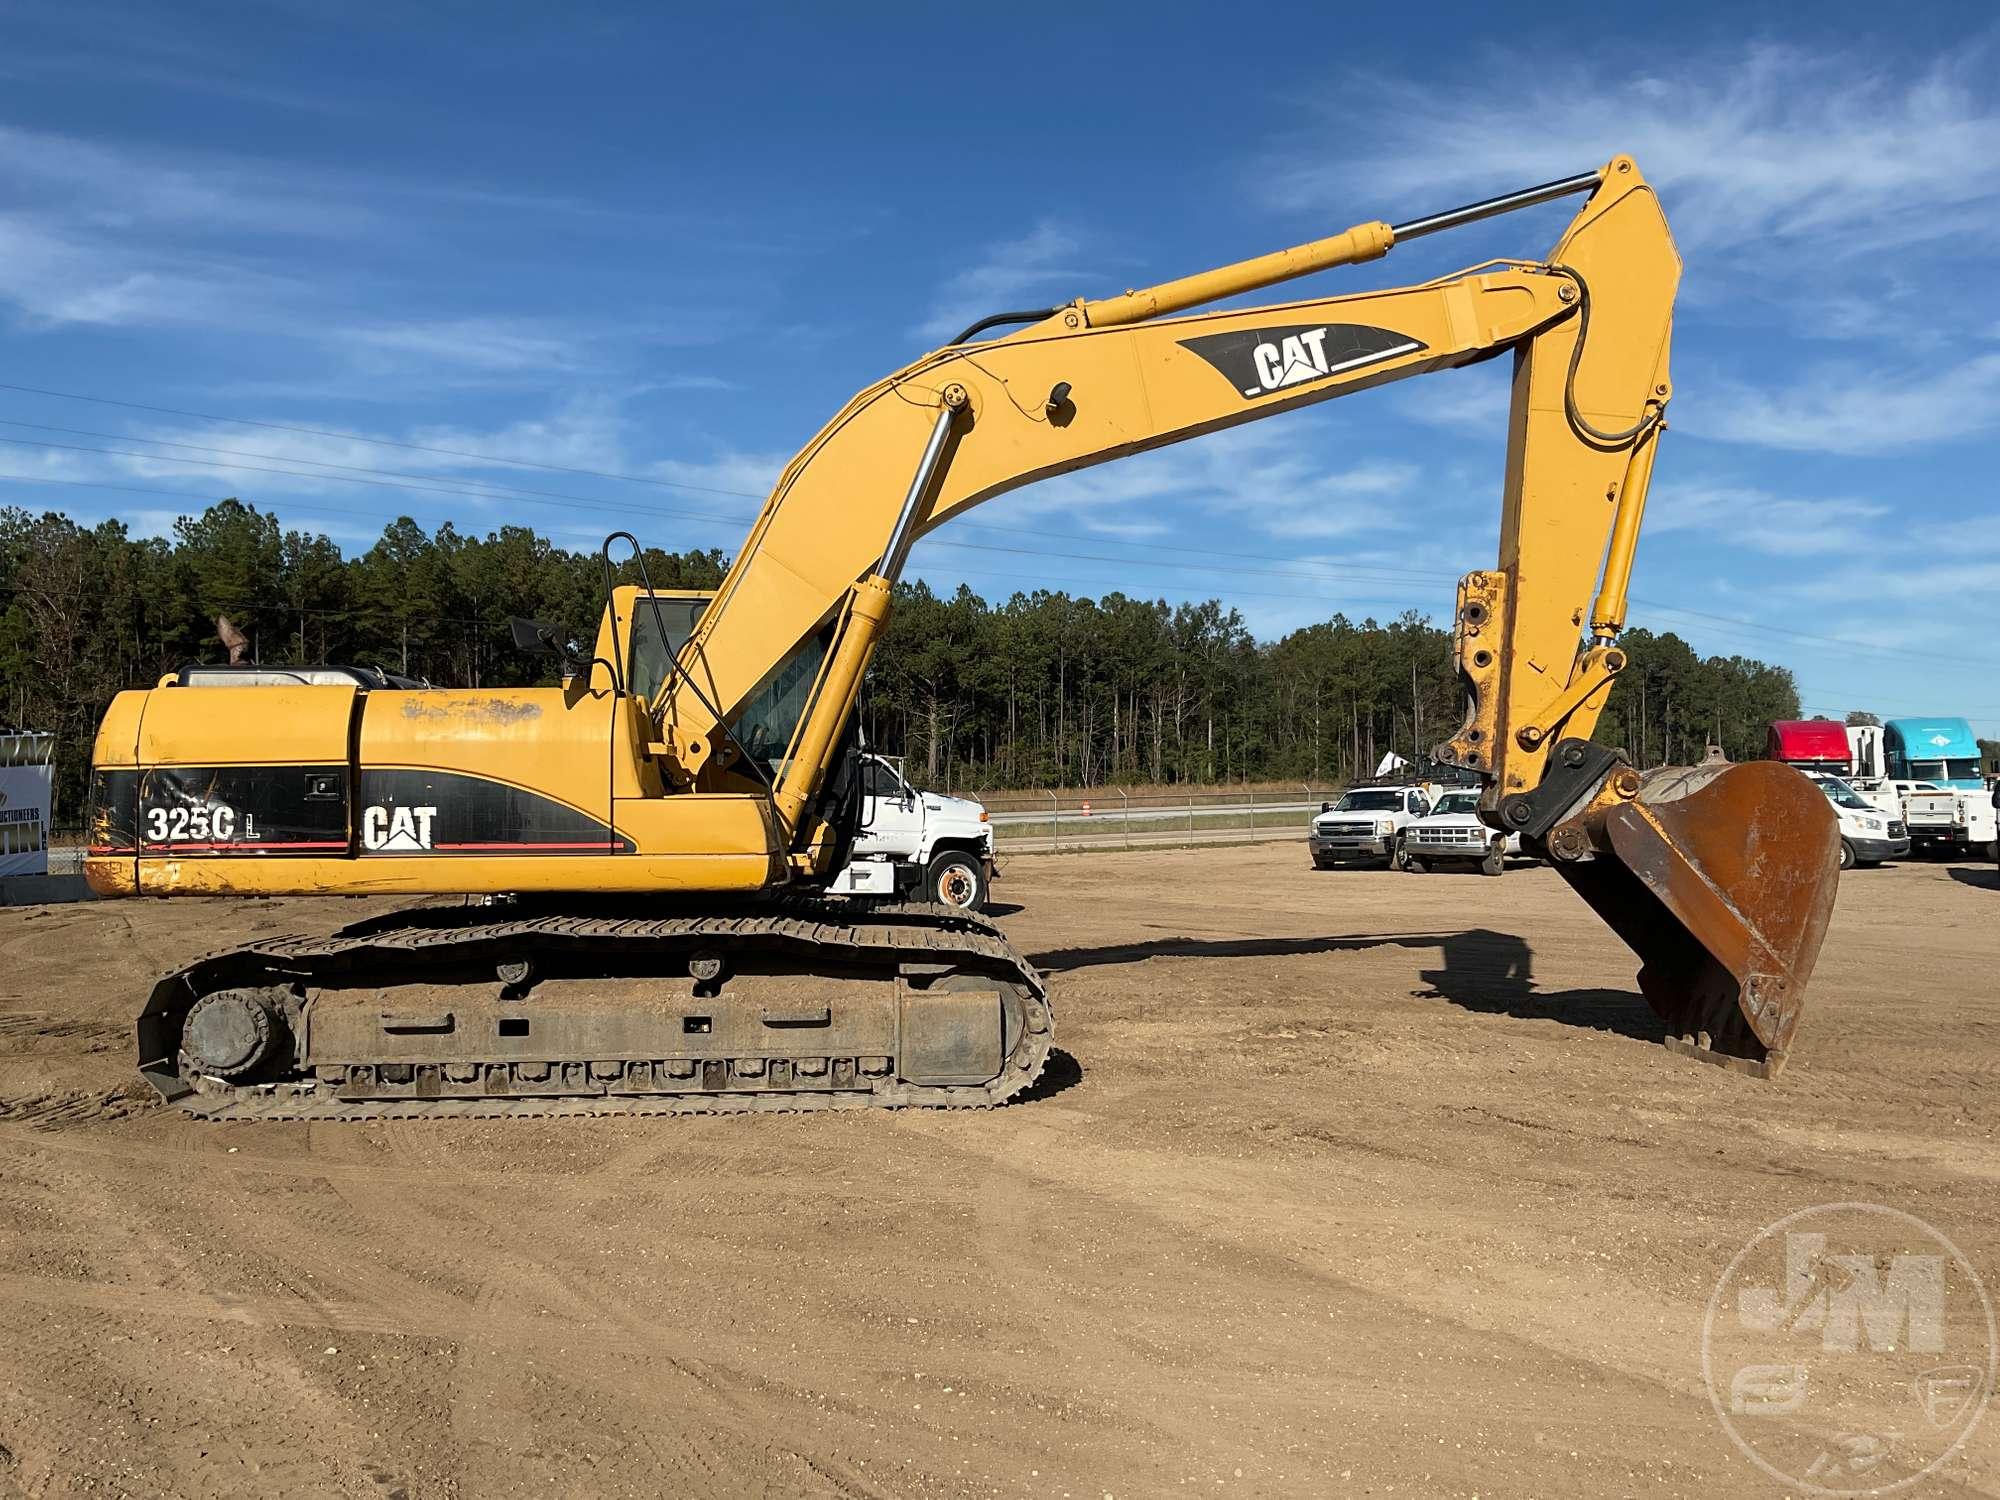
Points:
x=66, y=850
x=1064, y=822
x=1056, y=822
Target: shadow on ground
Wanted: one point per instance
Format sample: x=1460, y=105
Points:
x=1493, y=973
x=1484, y=971
x=1061, y=1071
x=1986, y=880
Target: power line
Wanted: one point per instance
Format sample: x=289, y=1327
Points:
x=1973, y=711
x=1095, y=538
x=968, y=572
x=482, y=489
x=1231, y=597
x=287, y=458
x=558, y=500
x=1866, y=648
x=313, y=507
x=554, y=499
x=440, y=483
x=486, y=458
x=471, y=489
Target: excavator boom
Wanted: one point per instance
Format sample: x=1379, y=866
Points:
x=730, y=764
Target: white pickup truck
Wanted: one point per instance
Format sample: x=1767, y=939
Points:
x=1365, y=824
x=920, y=844
x=1453, y=834
x=1950, y=819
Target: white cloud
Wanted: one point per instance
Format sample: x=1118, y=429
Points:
x=1851, y=409
x=1824, y=194
x=474, y=343
x=94, y=44
x=1268, y=477
x=582, y=433
x=1744, y=516
x=1945, y=584
x=125, y=188
x=54, y=277
x=695, y=382
x=731, y=476
x=125, y=237
x=1137, y=530
x=1772, y=142
x=1037, y=268
x=291, y=470
x=1475, y=398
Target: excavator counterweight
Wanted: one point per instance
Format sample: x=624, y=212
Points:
x=662, y=840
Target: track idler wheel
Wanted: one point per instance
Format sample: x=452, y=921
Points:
x=1721, y=878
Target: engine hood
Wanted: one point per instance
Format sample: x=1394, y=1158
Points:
x=955, y=809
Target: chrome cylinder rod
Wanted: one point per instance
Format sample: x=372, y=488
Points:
x=905, y=533
x=1472, y=213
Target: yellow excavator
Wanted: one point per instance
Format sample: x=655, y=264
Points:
x=655, y=839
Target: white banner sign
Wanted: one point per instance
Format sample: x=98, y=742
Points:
x=24, y=804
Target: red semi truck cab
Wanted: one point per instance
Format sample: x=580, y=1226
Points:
x=1811, y=745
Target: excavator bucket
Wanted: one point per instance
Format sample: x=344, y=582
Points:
x=1721, y=878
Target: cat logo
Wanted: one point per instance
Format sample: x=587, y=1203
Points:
x=396, y=830
x=1259, y=361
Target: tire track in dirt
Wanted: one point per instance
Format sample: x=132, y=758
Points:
x=135, y=1279
x=1451, y=1248
x=530, y=1328
x=719, y=1441
x=1162, y=1204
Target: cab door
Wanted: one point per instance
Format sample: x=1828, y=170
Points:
x=892, y=815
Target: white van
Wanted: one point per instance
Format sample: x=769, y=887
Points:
x=1867, y=834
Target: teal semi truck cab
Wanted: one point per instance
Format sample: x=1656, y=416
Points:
x=1938, y=750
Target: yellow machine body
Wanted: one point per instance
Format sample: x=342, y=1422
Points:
x=212, y=790
x=714, y=772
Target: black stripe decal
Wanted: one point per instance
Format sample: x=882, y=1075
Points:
x=405, y=812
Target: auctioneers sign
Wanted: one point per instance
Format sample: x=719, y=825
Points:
x=24, y=803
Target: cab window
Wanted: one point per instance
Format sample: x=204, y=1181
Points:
x=770, y=716
x=649, y=656
x=1368, y=801
x=880, y=781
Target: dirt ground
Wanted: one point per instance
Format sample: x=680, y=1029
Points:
x=1347, y=1183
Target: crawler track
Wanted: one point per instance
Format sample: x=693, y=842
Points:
x=911, y=947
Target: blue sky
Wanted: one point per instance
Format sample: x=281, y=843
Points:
x=668, y=246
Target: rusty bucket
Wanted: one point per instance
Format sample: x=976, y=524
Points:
x=1721, y=878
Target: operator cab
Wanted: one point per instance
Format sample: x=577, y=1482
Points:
x=645, y=658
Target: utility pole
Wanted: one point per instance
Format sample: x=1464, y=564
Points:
x=1416, y=717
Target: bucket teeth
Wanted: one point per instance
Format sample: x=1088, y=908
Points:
x=1722, y=879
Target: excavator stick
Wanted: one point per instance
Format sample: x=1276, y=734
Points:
x=1721, y=878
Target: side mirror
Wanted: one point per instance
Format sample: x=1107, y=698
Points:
x=540, y=639
x=1326, y=807
x=533, y=635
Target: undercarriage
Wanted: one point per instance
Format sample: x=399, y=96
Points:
x=513, y=1009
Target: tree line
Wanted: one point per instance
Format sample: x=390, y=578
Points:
x=1042, y=689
